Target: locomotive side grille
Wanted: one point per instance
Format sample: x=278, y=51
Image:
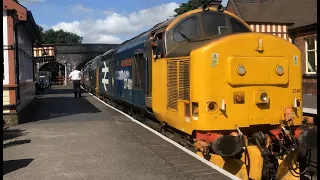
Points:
x=172, y=84
x=184, y=79
x=178, y=81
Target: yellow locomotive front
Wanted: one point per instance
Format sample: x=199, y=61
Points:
x=249, y=82
x=237, y=94
x=245, y=79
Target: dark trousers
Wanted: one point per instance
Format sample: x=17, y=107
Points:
x=76, y=88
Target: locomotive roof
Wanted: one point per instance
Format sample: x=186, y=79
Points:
x=157, y=26
x=167, y=24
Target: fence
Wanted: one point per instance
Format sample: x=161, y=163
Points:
x=58, y=80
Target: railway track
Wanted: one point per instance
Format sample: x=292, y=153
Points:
x=165, y=130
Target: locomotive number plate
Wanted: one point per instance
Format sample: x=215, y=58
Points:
x=296, y=91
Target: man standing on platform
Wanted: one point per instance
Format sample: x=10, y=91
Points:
x=75, y=76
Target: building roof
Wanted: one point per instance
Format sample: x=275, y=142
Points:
x=298, y=12
x=24, y=15
x=36, y=34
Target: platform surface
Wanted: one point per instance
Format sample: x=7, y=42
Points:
x=309, y=103
x=81, y=138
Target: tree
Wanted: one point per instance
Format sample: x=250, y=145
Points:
x=58, y=37
x=190, y=5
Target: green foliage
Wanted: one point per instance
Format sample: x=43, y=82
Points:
x=58, y=37
x=190, y=5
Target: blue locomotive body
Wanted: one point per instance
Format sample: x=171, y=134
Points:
x=123, y=71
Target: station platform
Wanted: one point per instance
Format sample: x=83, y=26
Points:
x=82, y=138
x=309, y=104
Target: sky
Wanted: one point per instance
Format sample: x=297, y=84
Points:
x=101, y=21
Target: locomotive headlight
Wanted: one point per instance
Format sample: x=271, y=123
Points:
x=279, y=70
x=241, y=70
x=264, y=97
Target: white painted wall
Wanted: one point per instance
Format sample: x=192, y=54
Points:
x=5, y=52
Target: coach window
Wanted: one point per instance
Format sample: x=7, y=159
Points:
x=238, y=27
x=214, y=24
x=137, y=72
x=186, y=30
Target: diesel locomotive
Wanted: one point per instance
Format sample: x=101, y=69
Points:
x=233, y=93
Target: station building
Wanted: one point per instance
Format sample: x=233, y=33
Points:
x=20, y=36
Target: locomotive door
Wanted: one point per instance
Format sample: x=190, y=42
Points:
x=138, y=78
x=113, y=77
x=97, y=79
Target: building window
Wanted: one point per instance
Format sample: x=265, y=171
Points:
x=311, y=55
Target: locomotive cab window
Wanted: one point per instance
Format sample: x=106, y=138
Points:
x=238, y=27
x=138, y=72
x=157, y=45
x=187, y=30
x=214, y=24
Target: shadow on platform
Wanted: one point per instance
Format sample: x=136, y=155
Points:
x=16, y=143
x=13, y=165
x=12, y=133
x=60, y=91
x=58, y=102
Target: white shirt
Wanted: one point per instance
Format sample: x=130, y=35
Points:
x=75, y=75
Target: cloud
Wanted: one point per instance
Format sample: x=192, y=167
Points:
x=79, y=9
x=115, y=27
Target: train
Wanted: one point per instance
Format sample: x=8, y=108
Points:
x=233, y=94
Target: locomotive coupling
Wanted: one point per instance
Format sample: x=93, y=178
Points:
x=223, y=145
x=308, y=138
x=201, y=146
x=228, y=145
x=307, y=134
